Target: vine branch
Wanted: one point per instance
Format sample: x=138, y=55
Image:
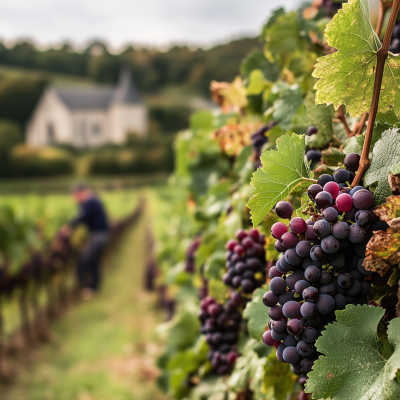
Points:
x=342, y=118
x=380, y=65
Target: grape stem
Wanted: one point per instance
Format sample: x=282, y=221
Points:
x=384, y=6
x=342, y=118
x=380, y=65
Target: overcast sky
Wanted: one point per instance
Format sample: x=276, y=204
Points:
x=149, y=22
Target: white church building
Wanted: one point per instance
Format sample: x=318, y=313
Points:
x=88, y=116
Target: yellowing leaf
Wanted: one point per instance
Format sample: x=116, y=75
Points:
x=347, y=76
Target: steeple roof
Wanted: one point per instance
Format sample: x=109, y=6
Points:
x=125, y=91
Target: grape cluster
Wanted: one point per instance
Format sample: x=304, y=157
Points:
x=245, y=261
x=395, y=39
x=331, y=7
x=220, y=325
x=258, y=140
x=190, y=255
x=321, y=269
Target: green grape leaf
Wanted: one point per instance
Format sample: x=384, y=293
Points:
x=284, y=171
x=285, y=106
x=318, y=115
x=347, y=76
x=352, y=146
x=332, y=156
x=257, y=83
x=356, y=365
x=257, y=314
x=385, y=155
x=257, y=60
x=395, y=169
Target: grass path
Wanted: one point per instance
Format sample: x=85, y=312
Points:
x=104, y=349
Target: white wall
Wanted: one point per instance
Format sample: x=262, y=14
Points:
x=85, y=123
x=126, y=118
x=49, y=110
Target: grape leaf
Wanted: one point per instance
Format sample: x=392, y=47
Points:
x=347, y=76
x=353, y=366
x=389, y=210
x=257, y=60
x=257, y=83
x=395, y=169
x=257, y=314
x=332, y=156
x=318, y=115
x=352, y=146
x=385, y=155
x=283, y=171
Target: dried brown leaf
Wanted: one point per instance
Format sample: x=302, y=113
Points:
x=389, y=210
x=394, y=182
x=382, y=250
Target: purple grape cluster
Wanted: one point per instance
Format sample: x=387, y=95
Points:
x=220, y=324
x=245, y=261
x=320, y=270
x=395, y=39
x=331, y=7
x=190, y=255
x=258, y=140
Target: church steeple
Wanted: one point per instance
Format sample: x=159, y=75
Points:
x=125, y=91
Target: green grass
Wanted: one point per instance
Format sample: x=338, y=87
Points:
x=104, y=349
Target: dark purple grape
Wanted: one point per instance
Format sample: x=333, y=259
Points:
x=341, y=175
x=290, y=355
x=236, y=281
x=290, y=341
x=280, y=348
x=294, y=327
x=355, y=189
x=278, y=229
x=247, y=242
x=274, y=273
x=340, y=302
x=313, y=190
x=355, y=288
x=345, y=280
x=278, y=336
x=357, y=233
x=279, y=326
x=330, y=214
x=329, y=289
x=306, y=365
x=312, y=273
x=270, y=299
x=322, y=228
x=363, y=199
x=323, y=179
x=284, y=209
x=277, y=286
x=240, y=267
x=291, y=309
x=317, y=253
x=279, y=357
x=325, y=278
x=350, y=215
x=330, y=244
x=352, y=161
x=310, y=294
x=323, y=200
x=240, y=234
x=247, y=285
x=308, y=310
x=292, y=257
x=293, y=278
x=285, y=297
x=365, y=288
x=267, y=339
x=275, y=313
x=357, y=275
x=313, y=155
x=340, y=230
x=312, y=130
x=310, y=232
x=253, y=263
x=300, y=286
x=279, y=247
x=309, y=335
x=325, y=304
x=227, y=280
x=289, y=240
x=303, y=248
x=305, y=349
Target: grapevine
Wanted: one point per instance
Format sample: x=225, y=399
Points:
x=292, y=227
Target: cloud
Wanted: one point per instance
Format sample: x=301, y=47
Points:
x=156, y=22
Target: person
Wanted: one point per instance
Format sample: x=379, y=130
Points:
x=93, y=215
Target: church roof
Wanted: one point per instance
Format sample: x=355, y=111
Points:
x=101, y=97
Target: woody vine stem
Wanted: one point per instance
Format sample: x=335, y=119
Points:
x=380, y=65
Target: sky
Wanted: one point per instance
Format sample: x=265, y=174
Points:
x=144, y=22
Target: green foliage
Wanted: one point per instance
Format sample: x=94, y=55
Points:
x=257, y=314
x=283, y=171
x=347, y=76
x=356, y=364
x=385, y=155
